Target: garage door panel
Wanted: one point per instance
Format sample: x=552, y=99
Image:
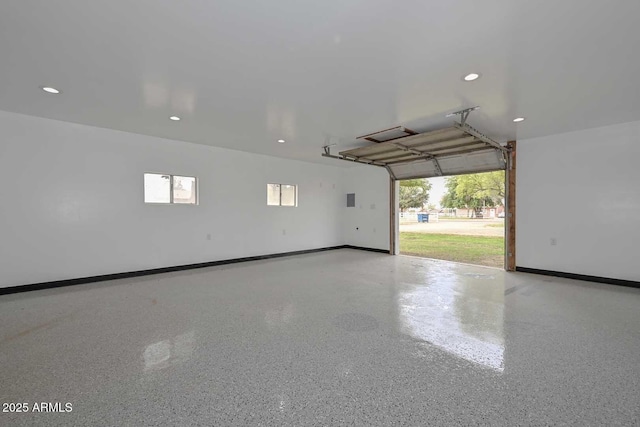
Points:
x=442, y=143
x=417, y=169
x=458, y=148
x=397, y=153
x=451, y=151
x=482, y=161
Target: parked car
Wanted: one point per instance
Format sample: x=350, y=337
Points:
x=501, y=215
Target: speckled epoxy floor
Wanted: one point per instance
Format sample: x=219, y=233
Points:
x=339, y=337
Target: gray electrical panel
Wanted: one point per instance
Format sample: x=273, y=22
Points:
x=351, y=200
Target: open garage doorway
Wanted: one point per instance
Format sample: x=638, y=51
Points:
x=455, y=151
x=457, y=218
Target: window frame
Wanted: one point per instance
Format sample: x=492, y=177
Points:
x=196, y=189
x=295, y=195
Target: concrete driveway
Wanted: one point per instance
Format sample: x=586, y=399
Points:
x=474, y=227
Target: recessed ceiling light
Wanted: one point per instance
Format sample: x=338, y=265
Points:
x=518, y=119
x=174, y=118
x=471, y=77
x=50, y=89
x=281, y=141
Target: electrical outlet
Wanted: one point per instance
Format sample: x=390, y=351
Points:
x=553, y=241
x=373, y=206
x=374, y=229
x=209, y=236
x=284, y=232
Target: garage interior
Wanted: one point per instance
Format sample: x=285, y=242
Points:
x=198, y=217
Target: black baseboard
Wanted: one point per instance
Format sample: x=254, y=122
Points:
x=115, y=276
x=607, y=280
x=361, y=248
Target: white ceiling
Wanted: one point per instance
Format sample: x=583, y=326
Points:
x=243, y=74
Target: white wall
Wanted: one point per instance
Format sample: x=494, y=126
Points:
x=367, y=225
x=71, y=203
x=583, y=189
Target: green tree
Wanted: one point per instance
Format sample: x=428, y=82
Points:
x=414, y=193
x=487, y=187
x=450, y=199
x=474, y=191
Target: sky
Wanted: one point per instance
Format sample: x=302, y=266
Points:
x=437, y=190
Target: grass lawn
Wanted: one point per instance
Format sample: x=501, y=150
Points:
x=480, y=250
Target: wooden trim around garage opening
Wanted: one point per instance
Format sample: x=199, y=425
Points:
x=392, y=216
x=510, y=242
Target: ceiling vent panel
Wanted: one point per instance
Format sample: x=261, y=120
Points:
x=388, y=134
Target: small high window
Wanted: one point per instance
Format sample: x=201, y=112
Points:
x=282, y=195
x=162, y=188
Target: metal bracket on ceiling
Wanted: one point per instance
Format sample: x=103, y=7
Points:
x=463, y=114
x=327, y=148
x=363, y=160
x=482, y=137
x=436, y=163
